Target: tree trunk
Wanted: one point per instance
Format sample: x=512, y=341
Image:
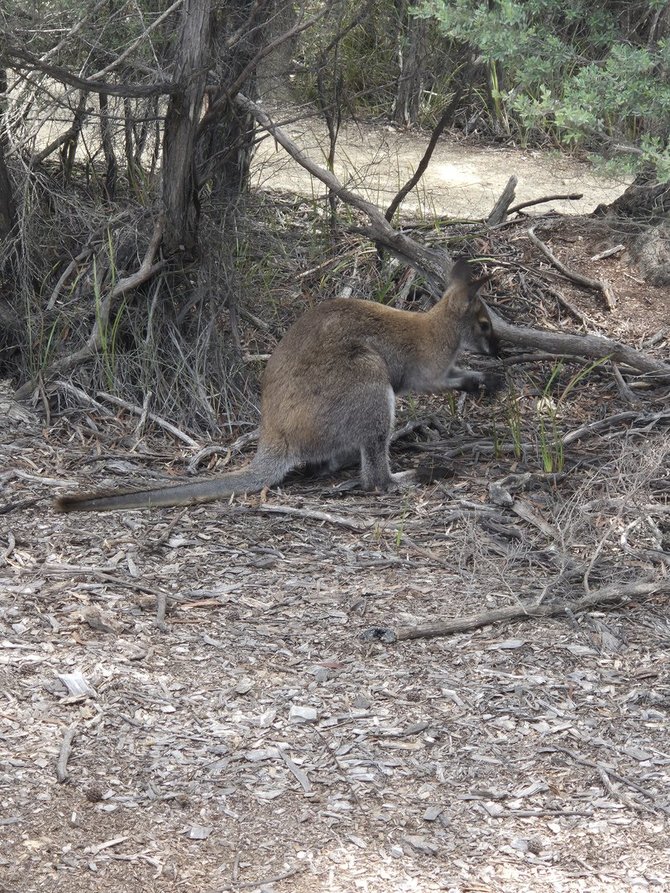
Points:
x=227, y=146
x=411, y=53
x=7, y=208
x=180, y=189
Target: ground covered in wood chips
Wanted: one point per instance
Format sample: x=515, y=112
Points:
x=254, y=739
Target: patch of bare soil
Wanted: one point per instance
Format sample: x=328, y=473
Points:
x=255, y=741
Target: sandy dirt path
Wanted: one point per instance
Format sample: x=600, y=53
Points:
x=463, y=180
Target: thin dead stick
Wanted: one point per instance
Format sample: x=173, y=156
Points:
x=600, y=767
x=102, y=575
x=612, y=422
x=261, y=882
x=64, y=755
x=313, y=515
x=446, y=118
x=608, y=595
x=572, y=310
x=609, y=252
x=81, y=395
x=83, y=255
x=138, y=40
x=596, y=284
x=570, y=196
x=140, y=411
x=92, y=11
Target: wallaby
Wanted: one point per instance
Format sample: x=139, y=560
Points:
x=328, y=392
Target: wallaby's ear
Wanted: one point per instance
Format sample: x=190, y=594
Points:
x=460, y=272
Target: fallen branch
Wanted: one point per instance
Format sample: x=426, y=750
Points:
x=602, y=768
x=64, y=755
x=595, y=284
x=612, y=422
x=434, y=264
x=592, y=346
x=158, y=420
x=314, y=515
x=570, y=196
x=524, y=611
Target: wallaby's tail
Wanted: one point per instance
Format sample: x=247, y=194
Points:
x=257, y=475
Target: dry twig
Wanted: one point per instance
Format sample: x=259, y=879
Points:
x=146, y=270
x=609, y=595
x=595, y=284
x=64, y=755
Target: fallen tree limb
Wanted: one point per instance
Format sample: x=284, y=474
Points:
x=158, y=420
x=614, y=421
x=595, y=347
x=608, y=595
x=433, y=264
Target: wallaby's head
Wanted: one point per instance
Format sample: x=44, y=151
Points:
x=468, y=312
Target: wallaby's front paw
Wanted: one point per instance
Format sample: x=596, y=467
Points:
x=493, y=383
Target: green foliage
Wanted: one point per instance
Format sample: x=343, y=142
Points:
x=549, y=407
x=585, y=73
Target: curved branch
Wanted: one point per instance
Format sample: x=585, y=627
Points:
x=433, y=264
x=22, y=59
x=446, y=118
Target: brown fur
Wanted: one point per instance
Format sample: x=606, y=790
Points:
x=329, y=388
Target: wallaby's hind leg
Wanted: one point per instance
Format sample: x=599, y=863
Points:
x=375, y=470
